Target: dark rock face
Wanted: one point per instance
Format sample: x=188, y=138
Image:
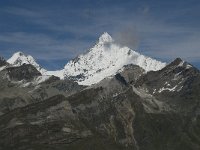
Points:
x=131, y=73
x=132, y=110
x=24, y=72
x=176, y=84
x=53, y=87
x=40, y=125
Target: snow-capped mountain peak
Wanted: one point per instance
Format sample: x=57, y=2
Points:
x=105, y=38
x=19, y=58
x=105, y=59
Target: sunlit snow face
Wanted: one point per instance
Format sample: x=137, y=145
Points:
x=105, y=59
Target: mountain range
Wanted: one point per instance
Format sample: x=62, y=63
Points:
x=109, y=98
x=104, y=59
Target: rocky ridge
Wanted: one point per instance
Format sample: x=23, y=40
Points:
x=130, y=110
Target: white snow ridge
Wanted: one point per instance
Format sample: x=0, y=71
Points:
x=105, y=59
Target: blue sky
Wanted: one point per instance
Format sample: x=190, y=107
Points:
x=55, y=31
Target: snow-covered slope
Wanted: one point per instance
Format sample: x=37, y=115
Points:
x=20, y=58
x=104, y=60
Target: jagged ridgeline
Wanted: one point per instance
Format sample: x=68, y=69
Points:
x=104, y=59
x=110, y=98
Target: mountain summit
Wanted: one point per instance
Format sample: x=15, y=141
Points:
x=105, y=59
x=105, y=37
x=20, y=58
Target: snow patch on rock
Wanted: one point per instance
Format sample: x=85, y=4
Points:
x=168, y=89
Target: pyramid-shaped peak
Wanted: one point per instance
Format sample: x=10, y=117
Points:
x=105, y=37
x=176, y=62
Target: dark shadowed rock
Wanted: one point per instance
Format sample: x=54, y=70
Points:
x=131, y=73
x=24, y=72
x=132, y=110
